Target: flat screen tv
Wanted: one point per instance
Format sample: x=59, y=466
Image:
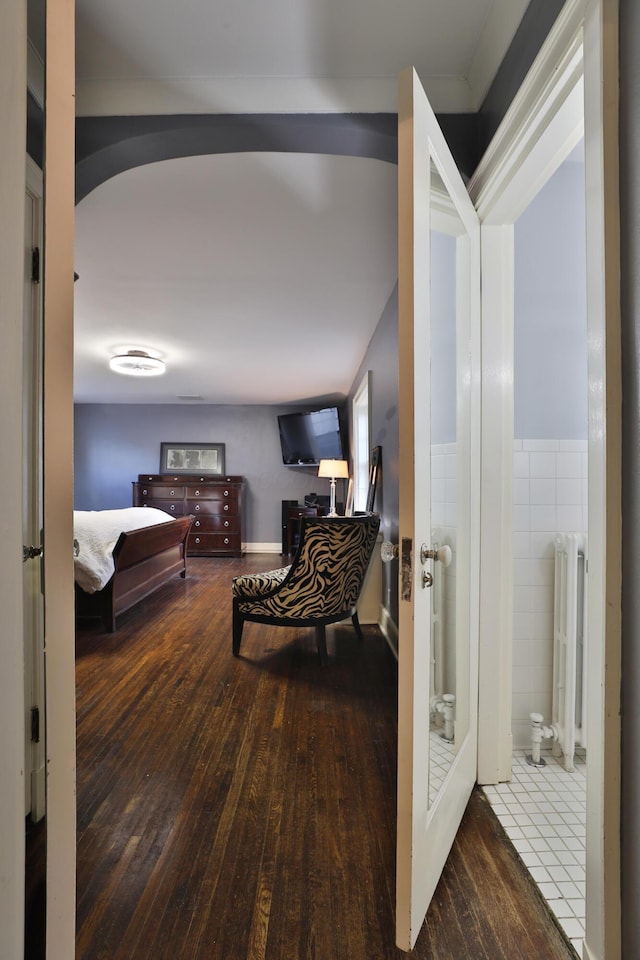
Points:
x=307, y=438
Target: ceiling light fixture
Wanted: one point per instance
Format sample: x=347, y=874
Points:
x=137, y=363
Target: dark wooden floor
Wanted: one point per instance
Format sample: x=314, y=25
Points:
x=245, y=809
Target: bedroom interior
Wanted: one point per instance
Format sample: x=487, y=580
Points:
x=120, y=433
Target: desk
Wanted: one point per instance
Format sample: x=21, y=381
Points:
x=291, y=514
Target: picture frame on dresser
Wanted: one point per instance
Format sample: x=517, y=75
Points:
x=207, y=459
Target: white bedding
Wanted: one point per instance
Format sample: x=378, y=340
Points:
x=97, y=532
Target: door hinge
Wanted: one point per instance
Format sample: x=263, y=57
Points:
x=35, y=265
x=35, y=724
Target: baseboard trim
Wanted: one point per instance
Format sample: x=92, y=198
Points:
x=262, y=547
x=389, y=630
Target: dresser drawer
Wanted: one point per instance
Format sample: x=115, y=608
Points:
x=212, y=492
x=212, y=523
x=227, y=508
x=174, y=507
x=208, y=543
x=160, y=491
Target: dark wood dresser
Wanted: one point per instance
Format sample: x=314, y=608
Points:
x=215, y=502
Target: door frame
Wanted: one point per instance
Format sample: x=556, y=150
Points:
x=58, y=260
x=35, y=785
x=13, y=105
x=578, y=62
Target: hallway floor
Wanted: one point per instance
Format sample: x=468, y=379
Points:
x=543, y=811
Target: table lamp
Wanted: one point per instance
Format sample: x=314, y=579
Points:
x=333, y=469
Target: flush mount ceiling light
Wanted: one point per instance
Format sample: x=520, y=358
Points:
x=137, y=363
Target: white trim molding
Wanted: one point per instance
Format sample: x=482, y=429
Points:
x=263, y=548
x=389, y=630
x=554, y=75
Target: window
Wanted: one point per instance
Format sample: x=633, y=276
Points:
x=361, y=444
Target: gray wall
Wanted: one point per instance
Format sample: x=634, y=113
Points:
x=536, y=23
x=550, y=345
x=116, y=442
x=381, y=359
x=630, y=274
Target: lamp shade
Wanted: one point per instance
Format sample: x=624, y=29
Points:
x=334, y=469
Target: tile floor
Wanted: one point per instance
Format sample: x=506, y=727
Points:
x=542, y=810
x=441, y=757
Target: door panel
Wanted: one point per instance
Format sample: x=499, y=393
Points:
x=439, y=404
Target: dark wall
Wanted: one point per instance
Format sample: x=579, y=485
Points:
x=35, y=130
x=106, y=146
x=630, y=276
x=530, y=35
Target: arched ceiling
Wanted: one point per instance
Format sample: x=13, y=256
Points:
x=258, y=277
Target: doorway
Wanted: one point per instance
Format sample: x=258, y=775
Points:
x=562, y=98
x=543, y=807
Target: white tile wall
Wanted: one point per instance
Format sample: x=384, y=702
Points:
x=549, y=497
x=549, y=492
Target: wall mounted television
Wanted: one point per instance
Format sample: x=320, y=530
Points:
x=308, y=437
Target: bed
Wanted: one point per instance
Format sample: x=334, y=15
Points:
x=121, y=556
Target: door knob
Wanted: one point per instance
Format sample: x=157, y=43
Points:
x=28, y=553
x=388, y=551
x=443, y=554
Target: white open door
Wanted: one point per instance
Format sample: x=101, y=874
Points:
x=439, y=336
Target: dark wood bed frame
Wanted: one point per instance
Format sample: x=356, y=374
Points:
x=144, y=560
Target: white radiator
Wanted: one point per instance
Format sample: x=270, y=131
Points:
x=569, y=646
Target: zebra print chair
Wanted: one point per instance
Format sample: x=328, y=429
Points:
x=321, y=585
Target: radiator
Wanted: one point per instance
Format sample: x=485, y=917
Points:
x=569, y=647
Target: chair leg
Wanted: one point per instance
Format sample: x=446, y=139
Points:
x=321, y=641
x=356, y=624
x=238, y=623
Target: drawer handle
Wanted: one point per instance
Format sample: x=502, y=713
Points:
x=144, y=493
x=172, y=493
x=226, y=493
x=197, y=539
x=226, y=540
x=197, y=493
x=173, y=506
x=197, y=523
x=226, y=523
x=226, y=506
x=197, y=506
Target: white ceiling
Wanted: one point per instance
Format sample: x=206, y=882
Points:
x=259, y=278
